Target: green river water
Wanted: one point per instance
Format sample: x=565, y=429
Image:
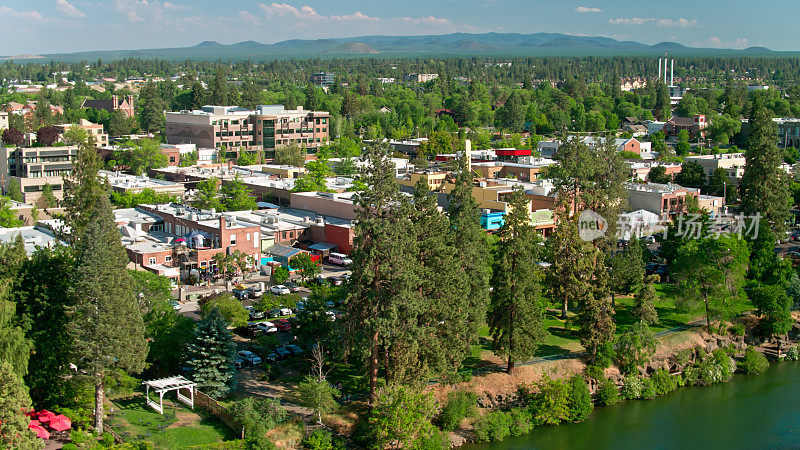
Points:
x=746, y=413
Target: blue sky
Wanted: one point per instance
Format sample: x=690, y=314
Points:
x=49, y=26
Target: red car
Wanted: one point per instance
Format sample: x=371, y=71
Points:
x=282, y=324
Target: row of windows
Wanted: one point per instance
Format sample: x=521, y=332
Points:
x=234, y=133
x=49, y=173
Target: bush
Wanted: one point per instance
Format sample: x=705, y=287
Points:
x=754, y=363
x=738, y=329
x=726, y=364
x=69, y=446
x=608, y=393
x=632, y=389
x=664, y=382
x=460, y=404
x=80, y=437
x=634, y=348
x=594, y=371
x=579, y=399
x=318, y=440
x=493, y=426
x=521, y=421
x=792, y=353
x=550, y=406
x=648, y=389
x=107, y=440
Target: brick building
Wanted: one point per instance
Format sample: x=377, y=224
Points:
x=126, y=105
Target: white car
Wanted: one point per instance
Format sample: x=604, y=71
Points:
x=267, y=327
x=280, y=290
x=249, y=357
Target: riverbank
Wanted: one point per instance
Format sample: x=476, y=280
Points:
x=689, y=350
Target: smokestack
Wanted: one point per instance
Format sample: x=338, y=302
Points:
x=672, y=73
x=468, y=154
x=659, y=68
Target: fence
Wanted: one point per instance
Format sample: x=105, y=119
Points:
x=215, y=409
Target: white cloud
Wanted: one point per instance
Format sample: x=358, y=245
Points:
x=69, y=10
x=587, y=9
x=630, y=20
x=249, y=18
x=680, y=23
x=173, y=6
x=741, y=43
x=429, y=20
x=716, y=42
x=23, y=15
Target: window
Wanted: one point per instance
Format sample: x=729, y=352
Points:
x=168, y=258
x=233, y=239
x=248, y=237
x=203, y=264
x=152, y=261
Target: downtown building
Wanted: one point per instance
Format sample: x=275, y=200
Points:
x=266, y=127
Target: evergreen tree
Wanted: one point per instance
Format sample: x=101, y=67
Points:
x=84, y=191
x=517, y=308
x=197, y=96
x=151, y=109
x=596, y=318
x=663, y=108
x=644, y=301
x=218, y=90
x=764, y=188
x=570, y=274
x=14, y=402
x=15, y=348
x=106, y=323
x=210, y=356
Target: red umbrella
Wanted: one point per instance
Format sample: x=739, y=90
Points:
x=60, y=423
x=34, y=423
x=44, y=416
x=40, y=432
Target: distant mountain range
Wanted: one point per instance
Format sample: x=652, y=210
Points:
x=456, y=44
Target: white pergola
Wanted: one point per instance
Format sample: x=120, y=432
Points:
x=165, y=385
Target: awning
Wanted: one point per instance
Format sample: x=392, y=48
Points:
x=322, y=246
x=283, y=251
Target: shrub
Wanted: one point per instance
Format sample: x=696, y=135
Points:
x=550, y=406
x=80, y=437
x=634, y=348
x=318, y=440
x=664, y=382
x=792, y=353
x=738, y=329
x=648, y=389
x=632, y=389
x=493, y=426
x=107, y=440
x=608, y=393
x=594, y=371
x=725, y=362
x=521, y=421
x=579, y=399
x=460, y=404
x=69, y=446
x=754, y=363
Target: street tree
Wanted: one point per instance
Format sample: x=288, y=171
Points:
x=236, y=196
x=290, y=154
x=143, y=155
x=307, y=267
x=207, y=195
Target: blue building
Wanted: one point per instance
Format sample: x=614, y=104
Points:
x=492, y=219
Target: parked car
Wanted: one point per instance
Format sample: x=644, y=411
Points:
x=295, y=349
x=280, y=290
x=283, y=352
x=267, y=327
x=293, y=287
x=241, y=294
x=175, y=305
x=336, y=281
x=255, y=292
x=254, y=313
x=321, y=281
x=282, y=324
x=340, y=259
x=249, y=357
x=239, y=363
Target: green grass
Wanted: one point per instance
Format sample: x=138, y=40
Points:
x=135, y=421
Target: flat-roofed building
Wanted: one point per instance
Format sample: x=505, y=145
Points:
x=663, y=199
x=30, y=169
x=732, y=163
x=122, y=182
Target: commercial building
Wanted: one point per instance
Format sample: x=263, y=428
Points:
x=696, y=126
x=663, y=199
x=733, y=163
x=34, y=237
x=322, y=79
x=421, y=77
x=330, y=204
x=122, y=183
x=788, y=132
x=267, y=127
x=94, y=130
x=29, y=169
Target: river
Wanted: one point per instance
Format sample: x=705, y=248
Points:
x=747, y=412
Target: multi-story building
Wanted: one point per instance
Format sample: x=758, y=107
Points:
x=788, y=132
x=93, y=129
x=267, y=127
x=421, y=77
x=29, y=169
x=322, y=78
x=662, y=199
x=696, y=126
x=733, y=163
x=122, y=183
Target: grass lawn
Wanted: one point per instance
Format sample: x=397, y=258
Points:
x=563, y=338
x=178, y=427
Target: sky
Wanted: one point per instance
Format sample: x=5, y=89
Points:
x=59, y=26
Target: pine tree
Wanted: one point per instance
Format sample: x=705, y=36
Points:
x=596, y=318
x=151, y=108
x=210, y=356
x=764, y=188
x=516, y=310
x=218, y=94
x=644, y=301
x=84, y=191
x=15, y=348
x=106, y=323
x=14, y=402
x=571, y=272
